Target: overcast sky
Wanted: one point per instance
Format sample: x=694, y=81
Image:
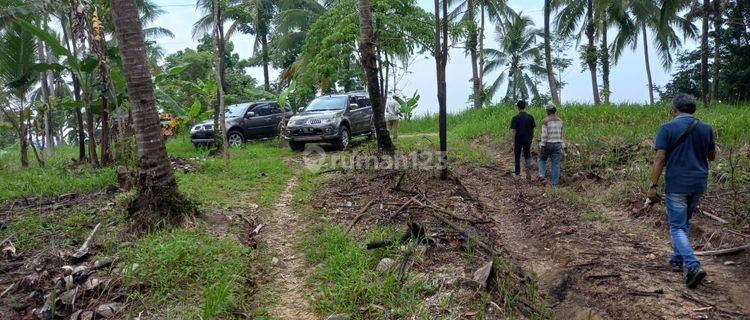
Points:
x=628, y=77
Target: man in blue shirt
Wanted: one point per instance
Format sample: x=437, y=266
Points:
x=684, y=145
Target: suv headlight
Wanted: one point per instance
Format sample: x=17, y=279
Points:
x=327, y=121
x=195, y=128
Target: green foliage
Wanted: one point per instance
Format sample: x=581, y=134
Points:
x=345, y=281
x=56, y=177
x=518, y=60
x=407, y=107
x=254, y=174
x=329, y=57
x=182, y=267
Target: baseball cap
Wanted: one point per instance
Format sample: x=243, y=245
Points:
x=551, y=106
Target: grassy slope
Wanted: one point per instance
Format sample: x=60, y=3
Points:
x=585, y=123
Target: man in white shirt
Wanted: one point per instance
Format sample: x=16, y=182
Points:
x=392, y=115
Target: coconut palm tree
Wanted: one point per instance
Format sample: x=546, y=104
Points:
x=497, y=10
x=548, y=6
x=19, y=72
x=567, y=21
x=518, y=59
x=294, y=19
x=642, y=16
x=159, y=202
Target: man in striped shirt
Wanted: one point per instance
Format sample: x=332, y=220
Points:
x=551, y=144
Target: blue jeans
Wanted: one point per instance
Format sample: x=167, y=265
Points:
x=680, y=208
x=553, y=152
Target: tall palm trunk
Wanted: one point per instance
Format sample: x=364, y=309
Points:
x=369, y=63
x=93, y=158
x=441, y=58
x=472, y=44
x=220, y=78
x=65, y=22
x=548, y=53
x=648, y=64
x=481, y=48
x=591, y=50
x=42, y=54
x=264, y=48
x=605, y=59
x=23, y=132
x=717, y=46
x=704, y=55
x=221, y=66
x=159, y=202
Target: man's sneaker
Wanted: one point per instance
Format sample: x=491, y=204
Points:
x=675, y=266
x=516, y=177
x=694, y=277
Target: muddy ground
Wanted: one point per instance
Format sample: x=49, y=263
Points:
x=589, y=260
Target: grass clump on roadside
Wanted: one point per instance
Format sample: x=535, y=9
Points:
x=345, y=280
x=188, y=273
x=55, y=177
x=255, y=171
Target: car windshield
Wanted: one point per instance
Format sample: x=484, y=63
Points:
x=235, y=110
x=327, y=103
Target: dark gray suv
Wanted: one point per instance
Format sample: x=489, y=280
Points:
x=253, y=120
x=333, y=119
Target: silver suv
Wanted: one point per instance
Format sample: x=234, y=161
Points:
x=333, y=119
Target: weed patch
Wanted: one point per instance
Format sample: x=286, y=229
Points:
x=345, y=279
x=186, y=272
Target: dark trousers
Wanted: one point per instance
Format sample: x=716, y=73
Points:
x=525, y=148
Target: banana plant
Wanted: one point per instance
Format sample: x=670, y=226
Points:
x=407, y=106
x=283, y=99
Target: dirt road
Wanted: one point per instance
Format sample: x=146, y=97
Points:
x=599, y=262
x=281, y=238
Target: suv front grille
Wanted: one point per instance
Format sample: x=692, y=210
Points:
x=307, y=131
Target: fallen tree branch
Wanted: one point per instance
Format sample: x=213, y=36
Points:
x=687, y=296
x=722, y=251
x=361, y=214
x=714, y=217
x=460, y=230
x=402, y=208
x=642, y=293
x=405, y=262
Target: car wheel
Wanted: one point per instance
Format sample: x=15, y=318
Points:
x=297, y=146
x=342, y=142
x=235, y=138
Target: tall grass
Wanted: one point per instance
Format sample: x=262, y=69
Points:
x=584, y=122
x=55, y=177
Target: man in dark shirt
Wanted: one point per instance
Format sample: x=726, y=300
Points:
x=522, y=131
x=684, y=145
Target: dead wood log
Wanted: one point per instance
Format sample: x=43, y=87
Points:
x=722, y=251
x=84, y=249
x=712, y=216
x=361, y=214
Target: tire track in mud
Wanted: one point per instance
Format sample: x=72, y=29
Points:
x=598, y=270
